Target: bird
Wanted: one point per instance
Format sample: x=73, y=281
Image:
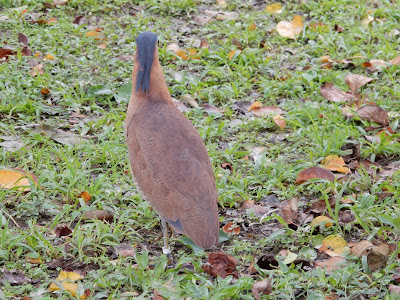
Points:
x=169, y=161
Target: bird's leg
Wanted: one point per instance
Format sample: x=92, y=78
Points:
x=165, y=249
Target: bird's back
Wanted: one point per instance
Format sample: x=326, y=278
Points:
x=171, y=166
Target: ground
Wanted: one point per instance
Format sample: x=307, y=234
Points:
x=269, y=99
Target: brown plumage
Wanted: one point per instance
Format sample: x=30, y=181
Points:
x=169, y=161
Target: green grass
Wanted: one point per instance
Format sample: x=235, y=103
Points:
x=284, y=72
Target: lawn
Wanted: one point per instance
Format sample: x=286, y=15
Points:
x=298, y=106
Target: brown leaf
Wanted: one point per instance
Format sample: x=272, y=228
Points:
x=38, y=69
x=220, y=264
x=202, y=20
x=259, y=210
x=157, y=295
x=78, y=20
x=280, y=121
x=394, y=289
x=331, y=264
x=62, y=230
x=4, y=53
x=208, y=108
x=356, y=81
x=288, y=210
x=267, y=110
x=85, y=196
x=126, y=57
x=102, y=215
x=267, y=262
x=204, y=44
x=375, y=65
x=125, y=250
x=231, y=228
x=23, y=39
x=332, y=93
x=355, y=154
x=378, y=256
x=314, y=172
x=374, y=113
x=338, y=28
x=14, y=277
x=361, y=248
x=395, y=61
x=261, y=287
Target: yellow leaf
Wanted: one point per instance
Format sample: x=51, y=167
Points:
x=37, y=54
x=335, y=245
x=92, y=34
x=68, y=275
x=10, y=178
x=297, y=24
x=49, y=56
x=35, y=261
x=334, y=163
x=322, y=219
x=366, y=21
x=255, y=105
x=275, y=8
x=232, y=54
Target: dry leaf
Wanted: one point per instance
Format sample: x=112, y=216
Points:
x=92, y=34
x=233, y=53
x=361, y=248
x=34, y=261
x=378, y=256
x=44, y=91
x=125, y=250
x=204, y=44
x=62, y=230
x=261, y=287
x=211, y=109
x=366, y=21
x=59, y=2
x=334, y=245
x=49, y=56
x=220, y=264
x=259, y=210
x=267, y=110
x=322, y=219
x=102, y=46
x=11, y=178
x=288, y=210
x=356, y=81
x=314, y=172
x=255, y=105
x=331, y=264
x=85, y=195
x=375, y=65
x=231, y=228
x=222, y=3
x=280, y=121
x=102, y=215
x=332, y=93
x=275, y=8
x=66, y=279
x=202, y=20
x=334, y=163
x=38, y=69
x=374, y=113
x=252, y=27
x=395, y=61
x=290, y=29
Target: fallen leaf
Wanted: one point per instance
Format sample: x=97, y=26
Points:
x=14, y=277
x=252, y=27
x=92, y=34
x=190, y=100
x=256, y=104
x=378, y=256
x=62, y=230
x=12, y=178
x=361, y=248
x=101, y=215
x=334, y=245
x=233, y=53
x=38, y=69
x=280, y=121
x=366, y=21
x=314, y=172
x=288, y=210
x=374, y=113
x=50, y=57
x=259, y=210
x=338, y=28
x=231, y=228
x=375, y=65
x=23, y=39
x=322, y=219
x=34, y=261
x=332, y=93
x=395, y=61
x=11, y=143
x=59, y=2
x=263, y=287
x=45, y=22
x=126, y=57
x=334, y=163
x=204, y=44
x=4, y=54
x=356, y=81
x=220, y=264
x=211, y=109
x=267, y=110
x=202, y=20
x=290, y=29
x=393, y=289
x=85, y=196
x=275, y=8
x=222, y=3
x=67, y=281
x=267, y=262
x=125, y=250
x=331, y=264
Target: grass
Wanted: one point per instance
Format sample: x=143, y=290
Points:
x=283, y=72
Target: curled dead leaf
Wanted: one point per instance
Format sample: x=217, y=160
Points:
x=356, y=81
x=334, y=163
x=332, y=93
x=374, y=113
x=314, y=172
x=102, y=215
x=62, y=230
x=220, y=264
x=263, y=287
x=280, y=121
x=231, y=228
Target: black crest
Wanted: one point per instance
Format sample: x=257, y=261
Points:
x=145, y=46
